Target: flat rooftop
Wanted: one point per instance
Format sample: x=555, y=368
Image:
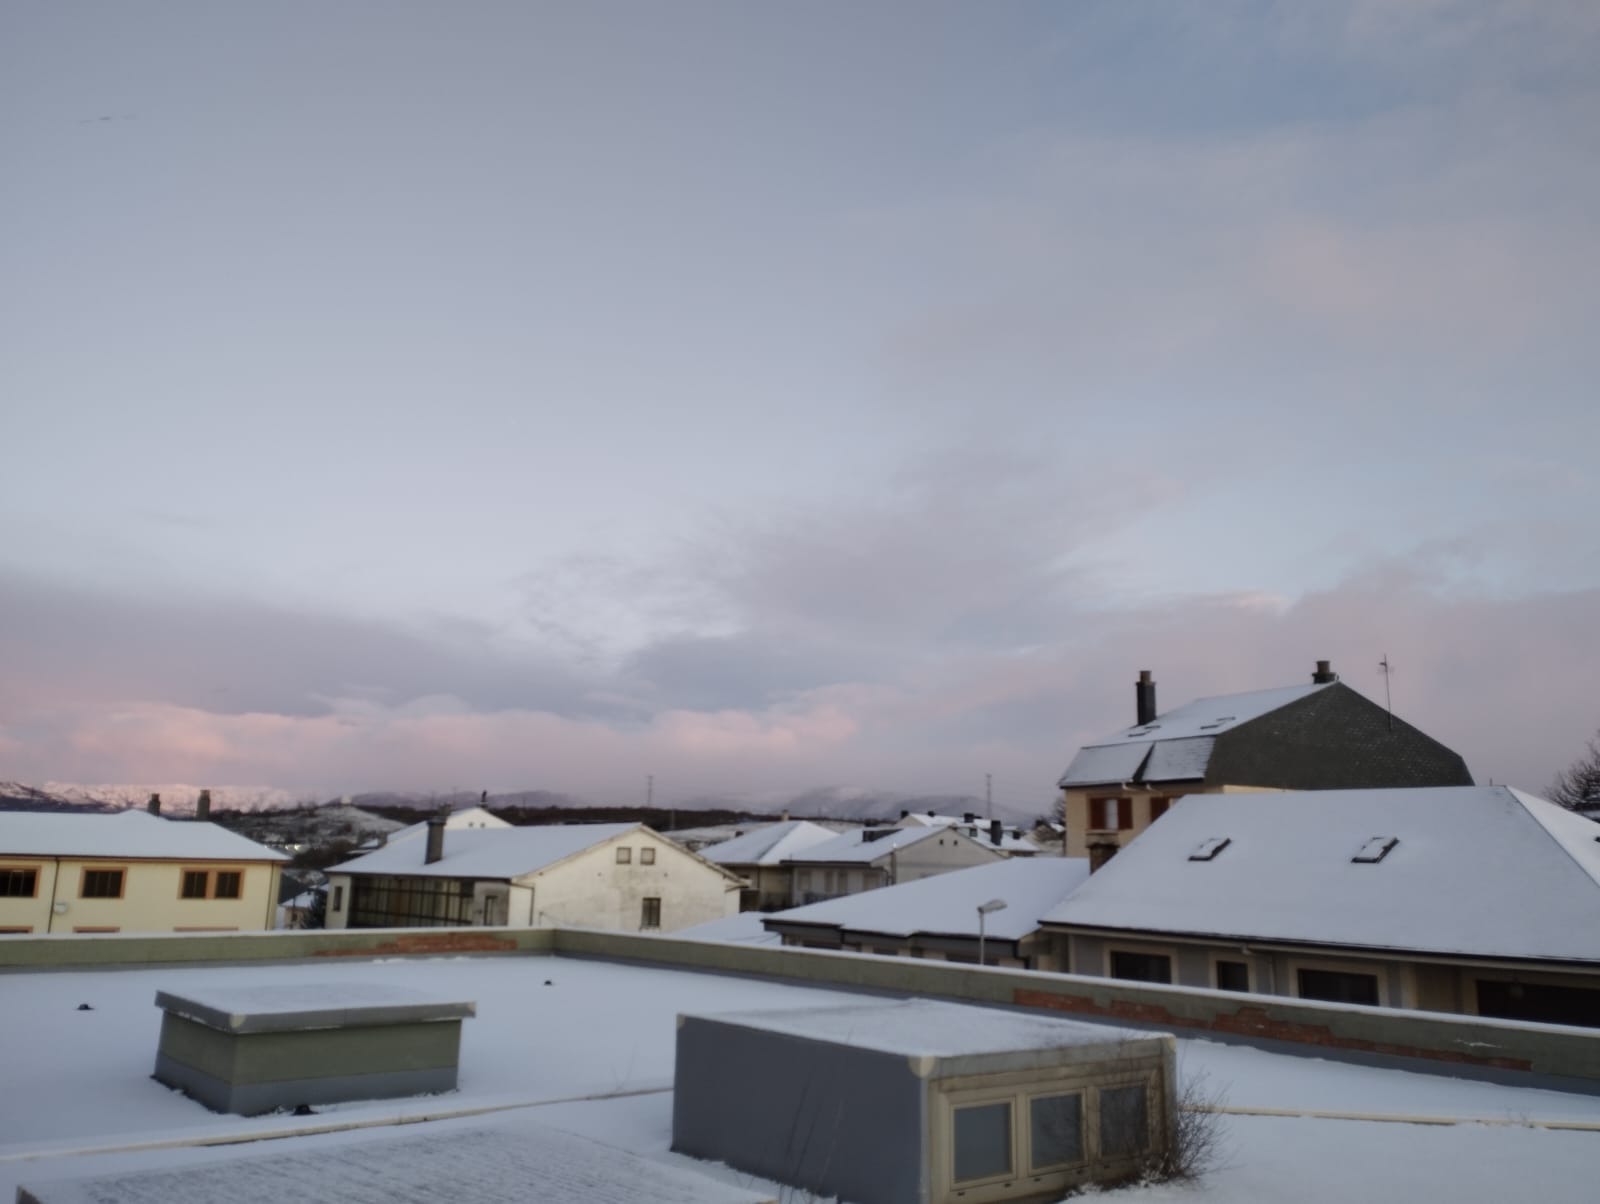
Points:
x=586, y=1047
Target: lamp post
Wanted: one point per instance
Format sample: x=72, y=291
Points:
x=983, y=910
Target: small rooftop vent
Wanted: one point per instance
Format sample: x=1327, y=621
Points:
x=1208, y=849
x=1375, y=850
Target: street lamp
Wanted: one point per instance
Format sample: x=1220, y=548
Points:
x=983, y=910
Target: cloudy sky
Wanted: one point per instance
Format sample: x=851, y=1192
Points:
x=763, y=397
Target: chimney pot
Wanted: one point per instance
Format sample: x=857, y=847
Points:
x=435, y=840
x=202, y=806
x=1324, y=674
x=1144, y=698
x=154, y=805
x=1101, y=852
x=996, y=832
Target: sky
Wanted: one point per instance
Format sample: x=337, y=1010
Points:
x=759, y=398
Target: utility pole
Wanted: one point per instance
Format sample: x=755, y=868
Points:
x=988, y=795
x=650, y=790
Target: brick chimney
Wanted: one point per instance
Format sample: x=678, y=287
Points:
x=435, y=840
x=1144, y=698
x=154, y=805
x=1324, y=674
x=996, y=832
x=202, y=807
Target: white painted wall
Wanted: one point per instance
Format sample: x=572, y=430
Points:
x=592, y=890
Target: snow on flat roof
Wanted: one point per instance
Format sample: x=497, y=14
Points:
x=133, y=835
x=1478, y=870
x=535, y=1165
x=1120, y=757
x=947, y=903
x=855, y=847
x=551, y=1030
x=770, y=844
x=926, y=1028
x=486, y=852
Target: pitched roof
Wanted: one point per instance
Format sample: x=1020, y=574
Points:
x=947, y=904
x=865, y=845
x=1483, y=871
x=770, y=844
x=133, y=835
x=496, y=853
x=1011, y=838
x=1176, y=745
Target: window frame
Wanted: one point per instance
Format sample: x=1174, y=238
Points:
x=1161, y=801
x=7, y=870
x=122, y=882
x=1235, y=959
x=238, y=885
x=647, y=855
x=210, y=881
x=624, y=854
x=1167, y=952
x=185, y=875
x=1117, y=818
x=645, y=912
x=1369, y=969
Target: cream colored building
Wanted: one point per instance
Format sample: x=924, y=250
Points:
x=624, y=877
x=867, y=858
x=1320, y=736
x=131, y=872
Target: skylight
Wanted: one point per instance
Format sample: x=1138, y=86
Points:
x=1208, y=849
x=1375, y=850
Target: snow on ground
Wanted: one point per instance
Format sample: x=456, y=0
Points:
x=550, y=1030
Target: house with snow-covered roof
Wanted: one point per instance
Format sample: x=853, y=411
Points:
x=1010, y=840
x=867, y=858
x=618, y=876
x=759, y=858
x=1319, y=736
x=131, y=871
x=948, y=917
x=1474, y=899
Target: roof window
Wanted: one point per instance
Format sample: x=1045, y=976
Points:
x=1375, y=850
x=1208, y=849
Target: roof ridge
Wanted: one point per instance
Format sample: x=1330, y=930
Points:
x=1535, y=813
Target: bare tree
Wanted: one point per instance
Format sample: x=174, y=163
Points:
x=1578, y=785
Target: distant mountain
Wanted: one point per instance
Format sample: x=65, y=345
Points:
x=830, y=802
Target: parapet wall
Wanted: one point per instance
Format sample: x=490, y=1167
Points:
x=1505, y=1050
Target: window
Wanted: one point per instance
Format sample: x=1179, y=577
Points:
x=1124, y=1121
x=1158, y=807
x=1338, y=986
x=647, y=856
x=206, y=884
x=18, y=883
x=624, y=855
x=982, y=1141
x=1208, y=848
x=1375, y=850
x=101, y=884
x=15, y=931
x=1141, y=967
x=1233, y=976
x=1055, y=1130
x=338, y=898
x=650, y=913
x=1108, y=813
x=1546, y=1003
x=97, y=930
x=413, y=902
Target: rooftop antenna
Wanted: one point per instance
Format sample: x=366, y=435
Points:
x=1388, y=705
x=988, y=795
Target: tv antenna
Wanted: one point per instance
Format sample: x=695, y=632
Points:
x=1388, y=704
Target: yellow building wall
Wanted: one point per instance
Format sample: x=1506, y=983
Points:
x=150, y=899
x=1077, y=811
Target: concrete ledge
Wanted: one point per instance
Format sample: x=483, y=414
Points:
x=84, y=952
x=1502, y=1050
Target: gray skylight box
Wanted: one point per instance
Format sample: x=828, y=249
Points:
x=1208, y=849
x=1375, y=850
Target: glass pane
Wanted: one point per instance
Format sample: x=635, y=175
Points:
x=1056, y=1123
x=1124, y=1123
x=1233, y=976
x=983, y=1141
